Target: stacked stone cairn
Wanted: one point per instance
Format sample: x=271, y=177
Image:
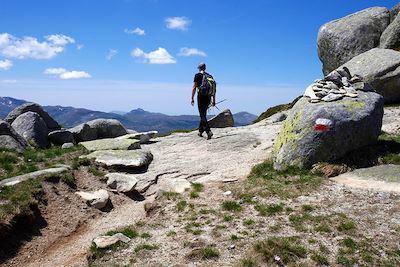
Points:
x=336, y=85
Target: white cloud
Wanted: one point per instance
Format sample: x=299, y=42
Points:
x=137, y=31
x=74, y=75
x=159, y=56
x=188, y=52
x=111, y=53
x=65, y=75
x=60, y=39
x=54, y=71
x=79, y=46
x=178, y=23
x=30, y=47
x=5, y=64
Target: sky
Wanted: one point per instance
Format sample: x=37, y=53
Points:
x=119, y=55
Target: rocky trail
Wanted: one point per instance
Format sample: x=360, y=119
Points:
x=179, y=160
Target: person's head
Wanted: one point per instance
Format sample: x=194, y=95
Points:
x=202, y=66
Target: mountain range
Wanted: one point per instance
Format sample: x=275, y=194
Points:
x=137, y=119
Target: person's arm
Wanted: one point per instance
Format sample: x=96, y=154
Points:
x=193, y=92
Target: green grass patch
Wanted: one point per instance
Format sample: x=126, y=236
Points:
x=96, y=172
x=227, y=218
x=181, y=205
x=197, y=187
x=209, y=252
x=290, y=249
x=346, y=226
x=268, y=210
x=232, y=206
x=391, y=148
x=127, y=231
x=17, y=199
x=265, y=181
x=145, y=235
x=320, y=259
x=145, y=246
x=171, y=195
x=248, y=222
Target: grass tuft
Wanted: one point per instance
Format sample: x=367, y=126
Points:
x=232, y=206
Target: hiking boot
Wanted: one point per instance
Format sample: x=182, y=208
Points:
x=200, y=134
x=209, y=135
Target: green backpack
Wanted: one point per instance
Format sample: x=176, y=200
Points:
x=208, y=85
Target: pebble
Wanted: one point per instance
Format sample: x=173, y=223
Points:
x=227, y=193
x=232, y=247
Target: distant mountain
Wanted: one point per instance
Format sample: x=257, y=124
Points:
x=7, y=104
x=137, y=119
x=243, y=118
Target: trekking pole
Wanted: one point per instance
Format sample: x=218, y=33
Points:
x=217, y=104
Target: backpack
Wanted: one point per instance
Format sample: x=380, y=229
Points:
x=208, y=85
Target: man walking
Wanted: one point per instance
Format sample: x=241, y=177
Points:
x=205, y=86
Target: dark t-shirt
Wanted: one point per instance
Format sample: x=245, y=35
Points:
x=198, y=79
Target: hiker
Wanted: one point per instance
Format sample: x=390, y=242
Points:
x=205, y=86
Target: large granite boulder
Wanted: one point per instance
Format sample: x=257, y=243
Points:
x=342, y=39
x=327, y=131
x=98, y=129
x=83, y=132
x=33, y=128
x=222, y=120
x=107, y=128
x=10, y=139
x=394, y=11
x=60, y=137
x=381, y=69
x=33, y=107
x=390, y=38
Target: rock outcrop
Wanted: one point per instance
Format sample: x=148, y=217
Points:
x=33, y=128
x=222, y=120
x=327, y=131
x=51, y=124
x=107, y=128
x=390, y=38
x=381, y=69
x=342, y=39
x=143, y=137
x=60, y=137
x=10, y=139
x=98, y=129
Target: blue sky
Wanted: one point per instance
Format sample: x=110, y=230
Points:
x=126, y=54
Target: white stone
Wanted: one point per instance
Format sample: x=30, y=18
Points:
x=106, y=240
x=121, y=182
x=97, y=199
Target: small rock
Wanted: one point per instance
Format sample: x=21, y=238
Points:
x=232, y=247
x=97, y=199
x=227, y=193
x=121, y=182
x=67, y=145
x=106, y=240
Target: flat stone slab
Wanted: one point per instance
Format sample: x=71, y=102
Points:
x=34, y=175
x=111, y=144
x=381, y=178
x=97, y=199
x=122, y=158
x=121, y=182
x=106, y=240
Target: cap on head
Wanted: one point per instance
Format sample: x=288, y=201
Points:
x=202, y=66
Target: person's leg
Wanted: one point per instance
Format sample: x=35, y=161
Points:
x=202, y=112
x=206, y=125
